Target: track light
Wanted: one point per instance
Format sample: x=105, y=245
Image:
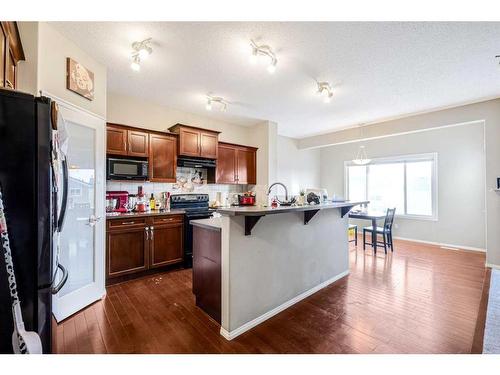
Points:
x=216, y=99
x=264, y=51
x=325, y=91
x=140, y=51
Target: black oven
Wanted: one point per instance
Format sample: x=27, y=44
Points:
x=126, y=169
x=195, y=207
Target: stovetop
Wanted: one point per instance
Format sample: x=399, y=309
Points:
x=190, y=202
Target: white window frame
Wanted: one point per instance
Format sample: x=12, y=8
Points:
x=432, y=156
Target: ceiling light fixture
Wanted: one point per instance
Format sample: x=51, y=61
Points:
x=136, y=63
x=361, y=157
x=264, y=51
x=325, y=91
x=216, y=99
x=140, y=51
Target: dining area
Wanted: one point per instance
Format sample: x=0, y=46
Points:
x=379, y=233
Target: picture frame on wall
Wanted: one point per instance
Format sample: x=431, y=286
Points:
x=79, y=79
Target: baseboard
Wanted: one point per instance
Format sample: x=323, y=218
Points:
x=491, y=265
x=229, y=335
x=444, y=245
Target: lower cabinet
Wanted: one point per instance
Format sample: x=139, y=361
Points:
x=207, y=275
x=166, y=244
x=137, y=245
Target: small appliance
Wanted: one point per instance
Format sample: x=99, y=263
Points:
x=246, y=199
x=121, y=198
x=126, y=169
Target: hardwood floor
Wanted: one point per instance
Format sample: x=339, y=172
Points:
x=420, y=299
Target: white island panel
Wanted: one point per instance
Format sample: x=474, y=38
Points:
x=280, y=263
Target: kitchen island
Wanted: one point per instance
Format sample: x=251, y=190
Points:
x=253, y=262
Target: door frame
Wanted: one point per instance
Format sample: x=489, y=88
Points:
x=96, y=290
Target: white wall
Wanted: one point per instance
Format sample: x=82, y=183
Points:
x=461, y=174
x=297, y=169
x=489, y=111
x=53, y=49
x=133, y=111
x=46, y=51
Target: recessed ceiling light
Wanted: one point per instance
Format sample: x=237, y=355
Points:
x=263, y=51
x=218, y=100
x=325, y=91
x=140, y=51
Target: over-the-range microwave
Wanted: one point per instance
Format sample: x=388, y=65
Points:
x=126, y=169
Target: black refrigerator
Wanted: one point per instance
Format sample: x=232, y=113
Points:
x=30, y=210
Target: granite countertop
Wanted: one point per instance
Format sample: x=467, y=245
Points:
x=210, y=223
x=144, y=214
x=260, y=210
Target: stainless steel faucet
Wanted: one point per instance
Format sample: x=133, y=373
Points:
x=284, y=187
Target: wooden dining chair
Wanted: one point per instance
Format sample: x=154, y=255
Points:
x=385, y=231
x=355, y=239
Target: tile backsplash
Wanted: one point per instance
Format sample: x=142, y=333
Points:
x=158, y=187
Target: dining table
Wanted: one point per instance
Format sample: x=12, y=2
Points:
x=373, y=216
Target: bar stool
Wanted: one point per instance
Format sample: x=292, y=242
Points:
x=355, y=227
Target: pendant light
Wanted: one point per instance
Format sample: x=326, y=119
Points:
x=361, y=157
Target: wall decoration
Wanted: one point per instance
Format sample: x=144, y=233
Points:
x=79, y=79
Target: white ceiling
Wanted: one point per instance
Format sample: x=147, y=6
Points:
x=379, y=69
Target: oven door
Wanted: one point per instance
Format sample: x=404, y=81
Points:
x=188, y=236
x=126, y=169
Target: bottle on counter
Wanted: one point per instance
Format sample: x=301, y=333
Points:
x=152, y=202
x=167, y=201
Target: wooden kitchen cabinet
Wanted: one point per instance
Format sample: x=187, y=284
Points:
x=127, y=250
x=208, y=145
x=138, y=143
x=196, y=142
x=136, y=245
x=126, y=141
x=166, y=244
x=11, y=50
x=116, y=140
x=226, y=164
x=236, y=164
x=162, y=157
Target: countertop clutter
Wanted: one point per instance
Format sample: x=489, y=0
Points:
x=259, y=210
x=121, y=215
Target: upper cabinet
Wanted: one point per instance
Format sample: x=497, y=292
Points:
x=236, y=164
x=121, y=140
x=196, y=142
x=162, y=157
x=11, y=51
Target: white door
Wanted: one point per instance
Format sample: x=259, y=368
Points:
x=82, y=238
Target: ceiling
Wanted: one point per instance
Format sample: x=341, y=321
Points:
x=379, y=70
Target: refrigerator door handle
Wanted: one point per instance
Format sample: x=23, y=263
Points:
x=62, y=282
x=64, y=203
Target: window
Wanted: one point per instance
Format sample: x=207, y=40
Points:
x=408, y=183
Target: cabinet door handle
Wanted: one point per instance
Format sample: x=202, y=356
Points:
x=128, y=222
x=9, y=84
x=152, y=232
x=169, y=219
x=147, y=233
